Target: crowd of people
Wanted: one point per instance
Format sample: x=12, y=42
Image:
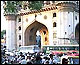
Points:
x=27, y=58
x=31, y=58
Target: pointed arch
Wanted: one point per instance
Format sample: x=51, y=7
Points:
x=30, y=32
x=77, y=32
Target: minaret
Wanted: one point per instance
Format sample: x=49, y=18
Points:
x=10, y=32
x=67, y=11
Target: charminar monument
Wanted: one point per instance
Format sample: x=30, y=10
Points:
x=57, y=23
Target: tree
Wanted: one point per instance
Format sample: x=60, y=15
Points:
x=2, y=33
x=35, y=5
x=10, y=7
x=13, y=6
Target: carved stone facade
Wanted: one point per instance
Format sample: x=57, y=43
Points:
x=65, y=25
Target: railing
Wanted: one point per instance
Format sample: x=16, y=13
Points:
x=67, y=41
x=73, y=41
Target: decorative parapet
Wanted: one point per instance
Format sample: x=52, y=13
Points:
x=35, y=11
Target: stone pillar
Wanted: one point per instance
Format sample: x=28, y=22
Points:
x=10, y=33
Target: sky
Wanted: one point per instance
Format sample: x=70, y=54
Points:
x=3, y=20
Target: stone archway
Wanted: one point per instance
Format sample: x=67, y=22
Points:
x=77, y=32
x=30, y=34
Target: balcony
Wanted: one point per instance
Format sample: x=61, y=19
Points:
x=67, y=41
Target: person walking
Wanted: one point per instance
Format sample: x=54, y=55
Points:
x=51, y=59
